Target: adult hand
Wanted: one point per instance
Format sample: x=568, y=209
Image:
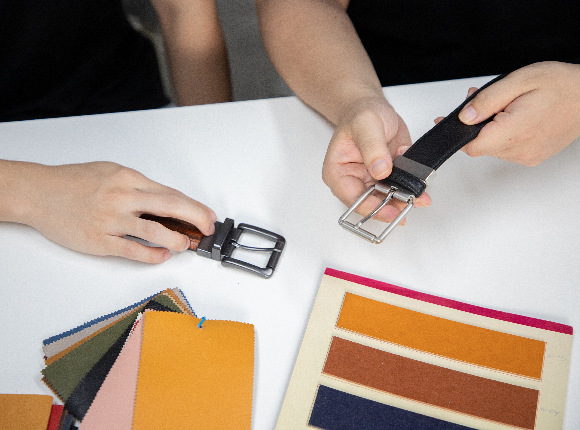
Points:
x=92, y=207
x=366, y=139
x=537, y=112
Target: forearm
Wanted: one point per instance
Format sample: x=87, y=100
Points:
x=316, y=50
x=196, y=51
x=16, y=186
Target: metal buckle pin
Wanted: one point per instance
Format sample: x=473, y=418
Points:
x=226, y=239
x=391, y=192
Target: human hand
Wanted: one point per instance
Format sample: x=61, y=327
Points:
x=91, y=207
x=361, y=152
x=537, y=112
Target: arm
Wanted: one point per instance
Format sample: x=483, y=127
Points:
x=91, y=207
x=196, y=51
x=316, y=49
x=537, y=112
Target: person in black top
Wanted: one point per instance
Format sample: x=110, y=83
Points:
x=336, y=55
x=77, y=57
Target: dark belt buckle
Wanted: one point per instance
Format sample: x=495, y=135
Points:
x=221, y=245
x=390, y=192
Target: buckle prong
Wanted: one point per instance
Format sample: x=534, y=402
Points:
x=225, y=240
x=390, y=193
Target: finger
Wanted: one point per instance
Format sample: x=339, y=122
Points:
x=156, y=233
x=178, y=205
x=494, y=138
x=368, y=132
x=439, y=119
x=470, y=91
x=496, y=97
x=119, y=247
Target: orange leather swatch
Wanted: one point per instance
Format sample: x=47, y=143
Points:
x=455, y=340
x=192, y=377
x=24, y=411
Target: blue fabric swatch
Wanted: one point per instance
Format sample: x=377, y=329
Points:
x=90, y=323
x=337, y=410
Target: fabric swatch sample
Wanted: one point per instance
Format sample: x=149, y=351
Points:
x=24, y=411
x=190, y=375
x=337, y=410
x=114, y=403
x=55, y=415
x=63, y=345
x=84, y=393
x=63, y=375
x=435, y=385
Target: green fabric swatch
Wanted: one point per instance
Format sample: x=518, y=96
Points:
x=64, y=374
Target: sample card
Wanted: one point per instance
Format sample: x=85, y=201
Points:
x=25, y=411
x=153, y=365
x=378, y=356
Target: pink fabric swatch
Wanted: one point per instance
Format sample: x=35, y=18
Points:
x=114, y=403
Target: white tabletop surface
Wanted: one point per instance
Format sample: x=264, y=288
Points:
x=498, y=235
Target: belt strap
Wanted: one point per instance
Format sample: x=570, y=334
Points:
x=434, y=148
x=413, y=170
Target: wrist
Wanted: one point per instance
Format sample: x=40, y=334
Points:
x=18, y=181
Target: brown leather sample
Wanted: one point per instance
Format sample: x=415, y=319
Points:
x=435, y=385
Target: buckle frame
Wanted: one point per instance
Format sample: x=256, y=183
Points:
x=390, y=192
x=221, y=245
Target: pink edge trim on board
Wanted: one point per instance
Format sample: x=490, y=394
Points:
x=453, y=304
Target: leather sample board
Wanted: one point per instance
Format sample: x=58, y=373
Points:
x=377, y=356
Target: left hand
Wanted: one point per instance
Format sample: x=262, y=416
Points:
x=537, y=112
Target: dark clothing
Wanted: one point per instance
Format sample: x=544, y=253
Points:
x=73, y=57
x=412, y=41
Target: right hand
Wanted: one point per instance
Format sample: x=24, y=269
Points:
x=91, y=207
x=367, y=137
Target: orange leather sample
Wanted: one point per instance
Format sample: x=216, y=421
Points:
x=24, y=411
x=444, y=337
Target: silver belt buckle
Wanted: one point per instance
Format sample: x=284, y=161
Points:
x=390, y=192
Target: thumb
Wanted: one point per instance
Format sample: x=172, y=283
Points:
x=494, y=98
x=369, y=134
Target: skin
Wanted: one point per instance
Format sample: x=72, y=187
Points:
x=196, y=51
x=91, y=207
x=315, y=48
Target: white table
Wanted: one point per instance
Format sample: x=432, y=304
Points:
x=497, y=235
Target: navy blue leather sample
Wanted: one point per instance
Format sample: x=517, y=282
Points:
x=337, y=410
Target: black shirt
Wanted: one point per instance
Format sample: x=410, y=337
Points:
x=412, y=41
x=73, y=57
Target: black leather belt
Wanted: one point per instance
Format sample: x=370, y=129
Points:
x=412, y=171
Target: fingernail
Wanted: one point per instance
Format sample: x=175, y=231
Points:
x=468, y=114
x=380, y=168
x=166, y=255
x=402, y=149
x=187, y=243
x=213, y=216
